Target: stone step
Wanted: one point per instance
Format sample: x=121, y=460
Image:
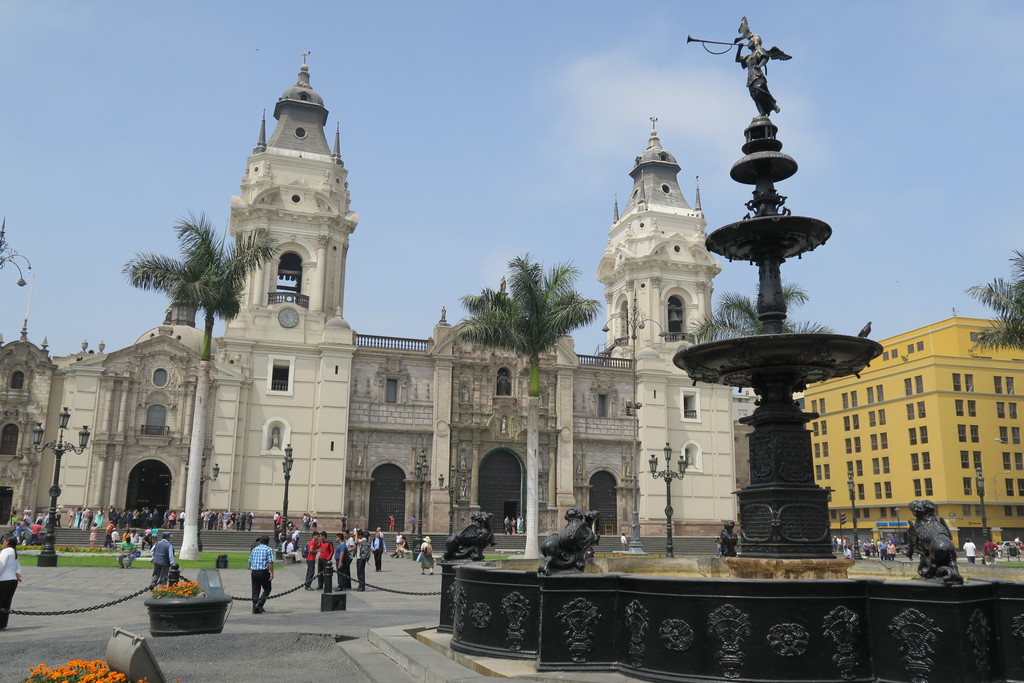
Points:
x=373, y=663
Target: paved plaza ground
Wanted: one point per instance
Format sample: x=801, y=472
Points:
x=292, y=641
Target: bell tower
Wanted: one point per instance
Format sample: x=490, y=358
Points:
x=656, y=254
x=295, y=190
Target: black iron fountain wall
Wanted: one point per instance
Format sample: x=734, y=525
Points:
x=783, y=512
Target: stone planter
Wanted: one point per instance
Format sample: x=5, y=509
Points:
x=183, y=617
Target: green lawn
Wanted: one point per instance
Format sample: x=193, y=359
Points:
x=205, y=561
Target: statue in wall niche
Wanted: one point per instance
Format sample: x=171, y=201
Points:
x=727, y=539
x=469, y=543
x=929, y=536
x=504, y=425
x=464, y=489
x=567, y=549
x=275, y=437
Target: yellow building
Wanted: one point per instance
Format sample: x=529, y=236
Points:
x=930, y=418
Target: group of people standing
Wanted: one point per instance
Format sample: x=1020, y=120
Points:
x=225, y=520
x=514, y=525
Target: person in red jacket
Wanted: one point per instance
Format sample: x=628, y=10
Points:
x=312, y=553
x=323, y=559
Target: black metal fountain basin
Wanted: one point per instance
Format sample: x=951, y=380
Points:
x=808, y=358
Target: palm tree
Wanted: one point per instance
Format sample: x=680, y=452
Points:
x=1006, y=298
x=209, y=277
x=538, y=310
x=736, y=315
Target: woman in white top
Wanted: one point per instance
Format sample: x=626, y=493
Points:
x=10, y=575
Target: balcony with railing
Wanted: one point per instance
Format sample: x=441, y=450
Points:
x=370, y=341
x=288, y=298
x=689, y=414
x=605, y=361
x=678, y=337
x=279, y=385
x=154, y=430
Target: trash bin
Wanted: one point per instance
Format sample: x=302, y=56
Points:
x=222, y=562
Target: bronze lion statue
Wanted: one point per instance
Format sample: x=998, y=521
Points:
x=930, y=538
x=567, y=550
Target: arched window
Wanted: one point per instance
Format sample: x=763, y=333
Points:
x=17, y=380
x=156, y=420
x=624, y=320
x=694, y=456
x=675, y=314
x=289, y=273
x=504, y=387
x=9, y=440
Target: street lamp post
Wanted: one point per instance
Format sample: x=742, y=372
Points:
x=203, y=478
x=286, y=467
x=422, y=476
x=450, y=488
x=985, y=535
x=633, y=322
x=48, y=556
x=853, y=521
x=668, y=474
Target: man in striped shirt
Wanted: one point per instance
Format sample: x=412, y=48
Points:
x=261, y=565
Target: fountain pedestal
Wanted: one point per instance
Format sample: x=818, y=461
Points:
x=768, y=568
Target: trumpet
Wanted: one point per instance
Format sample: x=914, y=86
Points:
x=691, y=39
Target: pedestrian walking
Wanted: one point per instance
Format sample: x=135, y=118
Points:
x=971, y=551
x=261, y=571
x=378, y=547
x=163, y=558
x=10, y=576
x=427, y=556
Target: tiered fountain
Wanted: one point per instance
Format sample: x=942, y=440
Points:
x=784, y=610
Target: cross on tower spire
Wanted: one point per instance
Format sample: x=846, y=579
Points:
x=305, y=54
x=654, y=122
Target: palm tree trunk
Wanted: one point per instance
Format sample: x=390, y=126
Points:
x=190, y=539
x=532, y=503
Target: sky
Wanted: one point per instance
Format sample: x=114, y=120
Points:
x=475, y=132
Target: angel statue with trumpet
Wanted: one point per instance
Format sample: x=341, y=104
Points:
x=755, y=63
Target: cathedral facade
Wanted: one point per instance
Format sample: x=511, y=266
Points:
x=359, y=411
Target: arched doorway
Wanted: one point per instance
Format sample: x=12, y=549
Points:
x=602, y=499
x=149, y=486
x=501, y=486
x=387, y=497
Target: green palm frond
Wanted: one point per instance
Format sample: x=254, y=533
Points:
x=1006, y=299
x=735, y=315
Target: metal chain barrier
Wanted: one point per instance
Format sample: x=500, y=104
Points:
x=79, y=610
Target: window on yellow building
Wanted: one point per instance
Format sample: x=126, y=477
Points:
x=926, y=460
x=874, y=442
x=968, y=487
x=919, y=384
x=917, y=488
x=920, y=409
x=879, y=393
x=881, y=416
x=928, y=487
x=976, y=456
x=972, y=408
x=1018, y=461
x=998, y=383
x=1015, y=435
x=860, y=495
x=846, y=400
x=908, y=387
x=1000, y=410
x=876, y=466
x=824, y=450
x=1009, y=487
x=910, y=411
x=924, y=435
x=1004, y=434
x=1006, y=460
x=975, y=436
x=853, y=399
x=814, y=428
x=871, y=395
x=969, y=383
x=824, y=427
x=1020, y=487
x=957, y=385
x=878, y=490
x=817, y=471
x=1009, y=385
x=961, y=433
x=885, y=464
x=920, y=346
x=856, y=445
x=871, y=418
x=958, y=406
x=912, y=436
x=849, y=445
x=965, y=460
x=846, y=423
x=915, y=462
x=856, y=421
x=828, y=473
x=1013, y=410
x=888, y=488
